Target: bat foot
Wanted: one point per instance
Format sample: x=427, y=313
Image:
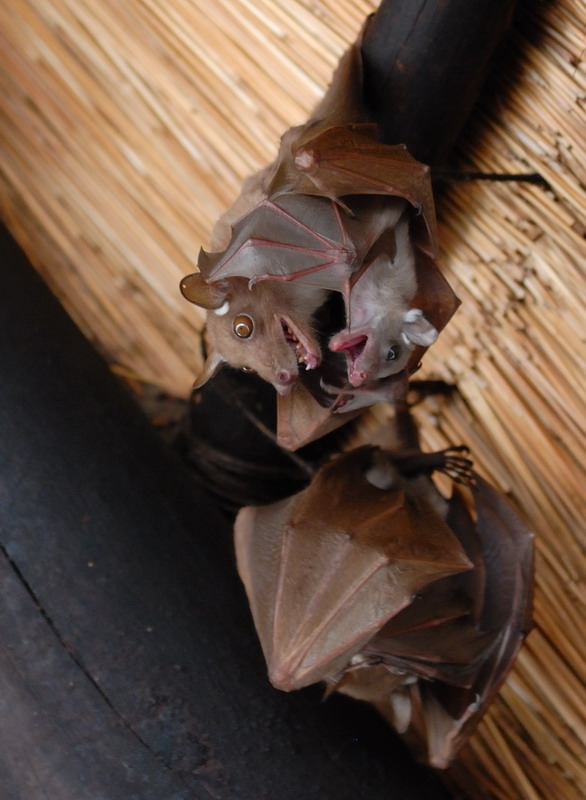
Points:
x=452, y=461
x=420, y=389
x=457, y=465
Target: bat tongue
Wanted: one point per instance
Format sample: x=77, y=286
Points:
x=354, y=345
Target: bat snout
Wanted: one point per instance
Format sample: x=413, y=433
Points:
x=284, y=381
x=355, y=349
x=357, y=378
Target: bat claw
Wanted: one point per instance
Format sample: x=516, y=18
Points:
x=342, y=398
x=328, y=388
x=457, y=466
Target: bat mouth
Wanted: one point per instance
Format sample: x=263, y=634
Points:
x=306, y=352
x=353, y=348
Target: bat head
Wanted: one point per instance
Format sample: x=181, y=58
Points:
x=377, y=352
x=264, y=329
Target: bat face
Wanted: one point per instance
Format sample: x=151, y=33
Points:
x=383, y=329
x=373, y=354
x=265, y=329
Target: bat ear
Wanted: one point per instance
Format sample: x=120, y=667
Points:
x=213, y=363
x=206, y=295
x=417, y=330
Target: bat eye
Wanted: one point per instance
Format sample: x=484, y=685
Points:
x=394, y=352
x=246, y=369
x=243, y=326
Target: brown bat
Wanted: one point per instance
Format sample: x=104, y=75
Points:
x=372, y=581
x=313, y=246
x=322, y=219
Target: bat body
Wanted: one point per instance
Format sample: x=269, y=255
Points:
x=383, y=329
x=374, y=582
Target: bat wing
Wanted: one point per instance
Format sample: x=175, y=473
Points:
x=434, y=638
x=301, y=418
x=463, y=633
x=323, y=577
x=292, y=238
x=435, y=297
x=346, y=160
x=309, y=240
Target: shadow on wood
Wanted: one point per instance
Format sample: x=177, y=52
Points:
x=129, y=667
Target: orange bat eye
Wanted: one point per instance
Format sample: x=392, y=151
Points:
x=243, y=326
x=246, y=369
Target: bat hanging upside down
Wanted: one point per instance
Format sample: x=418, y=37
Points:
x=391, y=593
x=337, y=213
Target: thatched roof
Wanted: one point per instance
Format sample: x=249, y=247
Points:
x=128, y=128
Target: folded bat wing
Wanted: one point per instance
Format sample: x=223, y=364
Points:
x=370, y=590
x=324, y=570
x=347, y=160
x=460, y=638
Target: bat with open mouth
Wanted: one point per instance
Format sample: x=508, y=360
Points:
x=382, y=328
x=375, y=583
x=302, y=247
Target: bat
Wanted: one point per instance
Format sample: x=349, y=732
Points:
x=373, y=582
x=384, y=329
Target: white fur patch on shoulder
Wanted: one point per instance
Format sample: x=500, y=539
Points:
x=412, y=314
x=223, y=309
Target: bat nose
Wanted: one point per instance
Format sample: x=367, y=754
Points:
x=284, y=380
x=358, y=378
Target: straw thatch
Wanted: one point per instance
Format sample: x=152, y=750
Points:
x=128, y=127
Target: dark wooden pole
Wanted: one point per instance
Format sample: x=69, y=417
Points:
x=425, y=62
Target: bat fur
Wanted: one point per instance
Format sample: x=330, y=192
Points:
x=374, y=582
x=383, y=329
x=335, y=156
